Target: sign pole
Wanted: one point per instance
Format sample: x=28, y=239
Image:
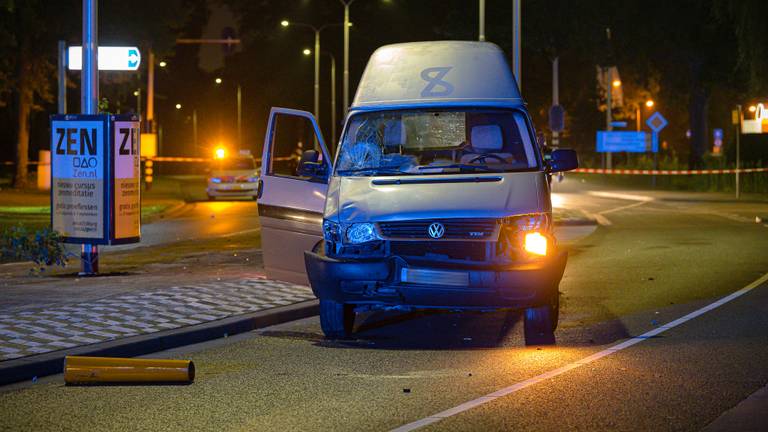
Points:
x=608, y=113
x=738, y=149
x=555, y=95
x=150, y=123
x=655, y=157
x=89, y=101
x=62, y=69
x=517, y=44
x=239, y=117
x=481, y=25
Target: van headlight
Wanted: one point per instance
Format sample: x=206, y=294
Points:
x=535, y=243
x=356, y=233
x=528, y=233
x=361, y=233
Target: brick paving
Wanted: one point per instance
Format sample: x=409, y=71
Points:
x=42, y=330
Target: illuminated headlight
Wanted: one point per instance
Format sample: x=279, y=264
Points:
x=535, y=243
x=356, y=233
x=331, y=231
x=361, y=233
x=527, y=233
x=215, y=180
x=253, y=179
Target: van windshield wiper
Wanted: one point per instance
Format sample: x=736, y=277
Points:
x=373, y=170
x=461, y=167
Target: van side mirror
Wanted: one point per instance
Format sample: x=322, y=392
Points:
x=563, y=160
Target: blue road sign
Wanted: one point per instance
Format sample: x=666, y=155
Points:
x=656, y=122
x=622, y=141
x=718, y=135
x=619, y=124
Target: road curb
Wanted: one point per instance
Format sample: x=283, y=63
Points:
x=12, y=371
x=170, y=212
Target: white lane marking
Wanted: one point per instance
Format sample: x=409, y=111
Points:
x=602, y=220
x=629, y=206
x=434, y=418
x=621, y=196
x=238, y=233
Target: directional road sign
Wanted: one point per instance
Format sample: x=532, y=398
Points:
x=110, y=58
x=657, y=122
x=622, y=141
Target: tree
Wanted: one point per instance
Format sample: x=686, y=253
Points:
x=27, y=47
x=747, y=17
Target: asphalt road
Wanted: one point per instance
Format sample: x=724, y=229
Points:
x=200, y=219
x=654, y=259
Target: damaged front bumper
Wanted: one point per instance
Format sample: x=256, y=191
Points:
x=395, y=281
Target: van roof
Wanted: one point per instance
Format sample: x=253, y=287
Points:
x=452, y=73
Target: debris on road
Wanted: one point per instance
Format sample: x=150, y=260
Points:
x=109, y=370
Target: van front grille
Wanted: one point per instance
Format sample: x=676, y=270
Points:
x=455, y=229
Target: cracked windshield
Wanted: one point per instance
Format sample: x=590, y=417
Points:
x=436, y=142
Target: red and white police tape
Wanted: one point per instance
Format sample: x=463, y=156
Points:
x=199, y=159
x=666, y=172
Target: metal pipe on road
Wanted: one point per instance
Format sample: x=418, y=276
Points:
x=99, y=370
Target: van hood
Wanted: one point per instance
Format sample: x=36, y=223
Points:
x=487, y=195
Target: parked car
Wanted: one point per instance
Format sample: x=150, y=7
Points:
x=233, y=176
x=437, y=198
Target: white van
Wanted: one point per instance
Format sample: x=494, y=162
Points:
x=438, y=195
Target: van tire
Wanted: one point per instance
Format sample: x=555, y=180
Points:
x=336, y=319
x=540, y=323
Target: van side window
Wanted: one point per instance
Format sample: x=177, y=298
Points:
x=292, y=136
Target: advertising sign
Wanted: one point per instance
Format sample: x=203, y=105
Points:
x=95, y=178
x=110, y=58
x=759, y=125
x=126, y=210
x=623, y=141
x=78, y=172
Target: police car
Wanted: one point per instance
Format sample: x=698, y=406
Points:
x=233, y=176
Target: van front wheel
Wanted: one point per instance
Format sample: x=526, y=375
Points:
x=540, y=324
x=336, y=319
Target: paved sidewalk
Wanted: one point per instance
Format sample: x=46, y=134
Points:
x=42, y=330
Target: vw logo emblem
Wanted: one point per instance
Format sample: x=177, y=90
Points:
x=436, y=230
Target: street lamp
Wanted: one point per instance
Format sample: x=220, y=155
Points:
x=162, y=64
x=308, y=52
x=616, y=83
x=178, y=106
x=639, y=115
x=347, y=4
x=317, y=30
x=218, y=81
